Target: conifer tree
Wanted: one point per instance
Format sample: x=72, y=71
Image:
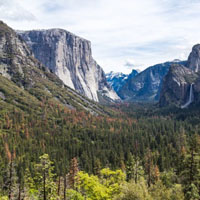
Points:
x=44, y=178
x=134, y=169
x=191, y=174
x=149, y=167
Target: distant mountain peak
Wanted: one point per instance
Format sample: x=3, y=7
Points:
x=113, y=74
x=138, y=70
x=116, y=79
x=194, y=58
x=176, y=61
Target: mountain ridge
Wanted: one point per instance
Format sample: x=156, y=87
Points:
x=146, y=85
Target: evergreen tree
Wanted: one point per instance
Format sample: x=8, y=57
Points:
x=149, y=167
x=134, y=169
x=191, y=172
x=44, y=178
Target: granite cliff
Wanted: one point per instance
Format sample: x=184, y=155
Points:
x=193, y=62
x=181, y=85
x=70, y=58
x=24, y=81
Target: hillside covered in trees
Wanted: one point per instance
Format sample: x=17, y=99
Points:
x=134, y=152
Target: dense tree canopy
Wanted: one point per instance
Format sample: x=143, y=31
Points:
x=65, y=153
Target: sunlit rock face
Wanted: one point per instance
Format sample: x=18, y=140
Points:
x=70, y=58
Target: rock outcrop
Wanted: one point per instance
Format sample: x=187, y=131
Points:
x=176, y=85
x=16, y=60
x=70, y=58
x=146, y=85
x=24, y=75
x=182, y=82
x=194, y=59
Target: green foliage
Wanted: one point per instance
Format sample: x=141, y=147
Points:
x=160, y=192
x=112, y=180
x=42, y=185
x=192, y=192
x=169, y=178
x=176, y=192
x=91, y=187
x=190, y=174
x=32, y=125
x=135, y=191
x=104, y=188
x=3, y=198
x=30, y=187
x=134, y=169
x=74, y=195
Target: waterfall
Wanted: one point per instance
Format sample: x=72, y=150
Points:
x=191, y=98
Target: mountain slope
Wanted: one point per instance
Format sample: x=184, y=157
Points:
x=182, y=84
x=70, y=58
x=26, y=77
x=146, y=85
x=176, y=85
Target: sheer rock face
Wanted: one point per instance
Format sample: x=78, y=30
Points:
x=194, y=59
x=16, y=60
x=176, y=85
x=23, y=73
x=70, y=58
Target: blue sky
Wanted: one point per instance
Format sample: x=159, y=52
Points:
x=125, y=34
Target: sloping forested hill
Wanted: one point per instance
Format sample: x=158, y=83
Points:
x=96, y=143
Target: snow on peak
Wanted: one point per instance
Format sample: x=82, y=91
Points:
x=112, y=75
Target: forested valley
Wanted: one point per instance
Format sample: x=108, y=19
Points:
x=132, y=152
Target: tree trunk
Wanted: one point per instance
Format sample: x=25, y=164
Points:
x=44, y=185
x=10, y=182
x=65, y=186
x=136, y=171
x=19, y=196
x=149, y=176
x=58, y=193
x=191, y=167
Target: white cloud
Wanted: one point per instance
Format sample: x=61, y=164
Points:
x=12, y=11
x=147, y=32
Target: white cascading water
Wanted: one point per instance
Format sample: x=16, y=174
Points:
x=191, y=98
